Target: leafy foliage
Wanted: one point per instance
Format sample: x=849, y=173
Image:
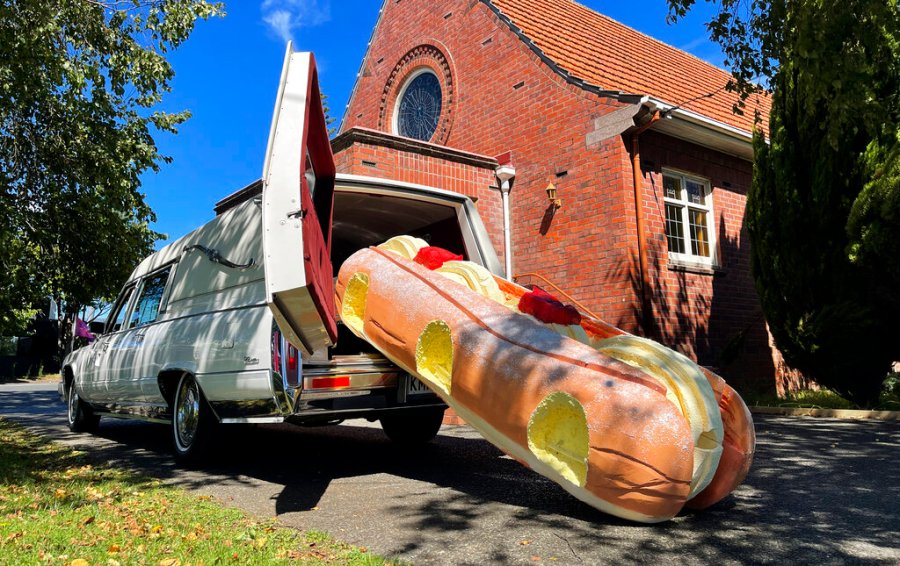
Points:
x=78, y=83
x=822, y=209
x=749, y=34
x=874, y=225
x=329, y=119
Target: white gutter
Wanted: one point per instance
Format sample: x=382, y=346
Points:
x=506, y=174
x=669, y=111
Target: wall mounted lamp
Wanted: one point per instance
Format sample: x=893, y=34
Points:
x=555, y=202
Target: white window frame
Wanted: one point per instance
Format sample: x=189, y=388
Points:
x=688, y=257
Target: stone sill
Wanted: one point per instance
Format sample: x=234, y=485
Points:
x=699, y=269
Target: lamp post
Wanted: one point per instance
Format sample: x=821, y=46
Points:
x=505, y=175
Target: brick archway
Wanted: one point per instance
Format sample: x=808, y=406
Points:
x=422, y=56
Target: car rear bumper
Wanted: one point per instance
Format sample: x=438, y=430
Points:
x=327, y=395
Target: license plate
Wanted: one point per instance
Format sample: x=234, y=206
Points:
x=416, y=387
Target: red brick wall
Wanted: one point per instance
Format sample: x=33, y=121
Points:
x=380, y=157
x=505, y=98
x=715, y=316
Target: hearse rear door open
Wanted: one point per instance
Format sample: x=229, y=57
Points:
x=298, y=199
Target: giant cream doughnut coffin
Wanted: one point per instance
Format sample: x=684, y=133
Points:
x=601, y=428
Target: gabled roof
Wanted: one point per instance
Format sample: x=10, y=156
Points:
x=614, y=57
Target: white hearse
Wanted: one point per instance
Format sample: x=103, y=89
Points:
x=236, y=321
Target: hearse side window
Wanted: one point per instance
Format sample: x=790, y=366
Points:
x=117, y=318
x=147, y=308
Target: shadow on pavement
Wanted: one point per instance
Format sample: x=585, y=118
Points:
x=820, y=491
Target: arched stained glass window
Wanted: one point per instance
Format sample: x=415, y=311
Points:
x=419, y=106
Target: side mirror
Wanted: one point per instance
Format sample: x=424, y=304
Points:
x=96, y=327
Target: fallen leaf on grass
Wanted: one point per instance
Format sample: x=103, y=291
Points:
x=79, y=562
x=524, y=542
x=169, y=562
x=87, y=521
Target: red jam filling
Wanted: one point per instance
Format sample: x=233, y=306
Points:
x=547, y=308
x=433, y=257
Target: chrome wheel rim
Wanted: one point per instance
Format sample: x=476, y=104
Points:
x=187, y=414
x=73, y=403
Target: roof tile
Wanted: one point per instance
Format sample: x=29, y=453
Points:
x=613, y=56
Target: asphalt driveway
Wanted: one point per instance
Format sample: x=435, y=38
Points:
x=821, y=491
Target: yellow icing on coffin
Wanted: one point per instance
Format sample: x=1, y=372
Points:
x=573, y=331
x=353, y=307
x=473, y=276
x=434, y=355
x=558, y=436
x=687, y=388
x=406, y=246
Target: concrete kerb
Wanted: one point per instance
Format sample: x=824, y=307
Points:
x=828, y=413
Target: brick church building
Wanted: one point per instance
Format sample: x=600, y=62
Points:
x=631, y=170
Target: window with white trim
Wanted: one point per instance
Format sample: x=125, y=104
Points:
x=689, y=216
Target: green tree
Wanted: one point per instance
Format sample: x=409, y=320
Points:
x=329, y=119
x=79, y=81
x=874, y=225
x=823, y=203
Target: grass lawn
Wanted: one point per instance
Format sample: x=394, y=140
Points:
x=43, y=378
x=57, y=509
x=889, y=400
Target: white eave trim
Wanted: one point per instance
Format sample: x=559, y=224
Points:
x=698, y=119
x=700, y=129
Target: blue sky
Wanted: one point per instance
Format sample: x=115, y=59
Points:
x=227, y=73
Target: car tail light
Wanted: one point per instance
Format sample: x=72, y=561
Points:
x=330, y=382
x=293, y=356
x=286, y=360
x=276, y=350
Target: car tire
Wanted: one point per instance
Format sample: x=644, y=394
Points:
x=80, y=416
x=193, y=422
x=413, y=427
